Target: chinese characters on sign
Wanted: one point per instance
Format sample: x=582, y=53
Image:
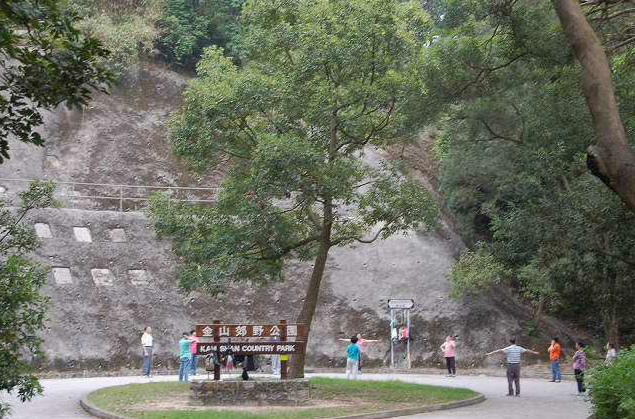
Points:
x=238, y=330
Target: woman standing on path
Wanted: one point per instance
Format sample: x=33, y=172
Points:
x=193, y=349
x=185, y=357
x=554, y=357
x=448, y=348
x=579, y=365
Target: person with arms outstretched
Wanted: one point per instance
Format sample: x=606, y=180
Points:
x=513, y=353
x=361, y=344
x=352, y=359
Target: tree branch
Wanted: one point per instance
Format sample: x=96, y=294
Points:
x=496, y=135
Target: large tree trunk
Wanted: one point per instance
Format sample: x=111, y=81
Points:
x=612, y=328
x=313, y=290
x=308, y=308
x=610, y=159
x=538, y=312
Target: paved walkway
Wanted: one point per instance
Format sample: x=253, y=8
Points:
x=540, y=399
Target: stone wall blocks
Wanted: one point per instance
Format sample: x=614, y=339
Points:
x=82, y=234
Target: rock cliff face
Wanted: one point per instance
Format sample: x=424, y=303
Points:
x=111, y=276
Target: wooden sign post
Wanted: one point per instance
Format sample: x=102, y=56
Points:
x=283, y=361
x=216, y=338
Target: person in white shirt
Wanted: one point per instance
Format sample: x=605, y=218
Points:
x=611, y=353
x=146, y=345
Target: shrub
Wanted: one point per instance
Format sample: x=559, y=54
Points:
x=187, y=27
x=612, y=387
x=126, y=28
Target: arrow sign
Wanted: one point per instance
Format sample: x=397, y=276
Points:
x=401, y=303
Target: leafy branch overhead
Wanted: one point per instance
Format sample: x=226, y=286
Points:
x=44, y=61
x=23, y=307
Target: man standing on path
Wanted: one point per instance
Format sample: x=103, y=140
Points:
x=146, y=346
x=193, y=342
x=185, y=357
x=352, y=359
x=448, y=348
x=513, y=353
x=554, y=357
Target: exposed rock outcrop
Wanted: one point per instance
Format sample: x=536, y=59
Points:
x=112, y=276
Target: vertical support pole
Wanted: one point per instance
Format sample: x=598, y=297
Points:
x=120, y=198
x=392, y=349
x=216, y=340
x=283, y=360
x=408, y=340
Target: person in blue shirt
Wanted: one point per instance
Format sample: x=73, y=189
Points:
x=352, y=358
x=185, y=357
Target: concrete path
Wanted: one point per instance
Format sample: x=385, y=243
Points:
x=540, y=399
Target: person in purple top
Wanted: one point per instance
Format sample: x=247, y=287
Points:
x=579, y=365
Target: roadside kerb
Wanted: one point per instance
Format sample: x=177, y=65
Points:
x=100, y=413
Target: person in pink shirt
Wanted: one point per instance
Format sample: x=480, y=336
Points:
x=448, y=348
x=193, y=341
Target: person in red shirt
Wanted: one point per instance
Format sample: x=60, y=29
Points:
x=193, y=341
x=554, y=357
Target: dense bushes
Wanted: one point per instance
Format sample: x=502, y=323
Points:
x=179, y=29
x=612, y=388
x=188, y=26
x=126, y=28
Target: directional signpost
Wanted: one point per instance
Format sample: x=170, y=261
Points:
x=281, y=339
x=401, y=303
x=400, y=330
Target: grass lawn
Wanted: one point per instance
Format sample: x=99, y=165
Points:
x=136, y=400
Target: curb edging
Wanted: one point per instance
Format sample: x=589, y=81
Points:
x=93, y=410
x=416, y=410
x=103, y=414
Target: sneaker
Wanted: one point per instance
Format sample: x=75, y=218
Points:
x=509, y=395
x=517, y=395
x=448, y=375
x=558, y=381
x=552, y=381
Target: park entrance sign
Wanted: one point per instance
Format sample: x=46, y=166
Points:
x=251, y=348
x=248, y=330
x=218, y=340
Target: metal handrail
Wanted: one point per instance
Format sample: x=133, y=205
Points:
x=121, y=197
x=112, y=184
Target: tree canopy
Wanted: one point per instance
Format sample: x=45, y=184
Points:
x=514, y=134
x=322, y=84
